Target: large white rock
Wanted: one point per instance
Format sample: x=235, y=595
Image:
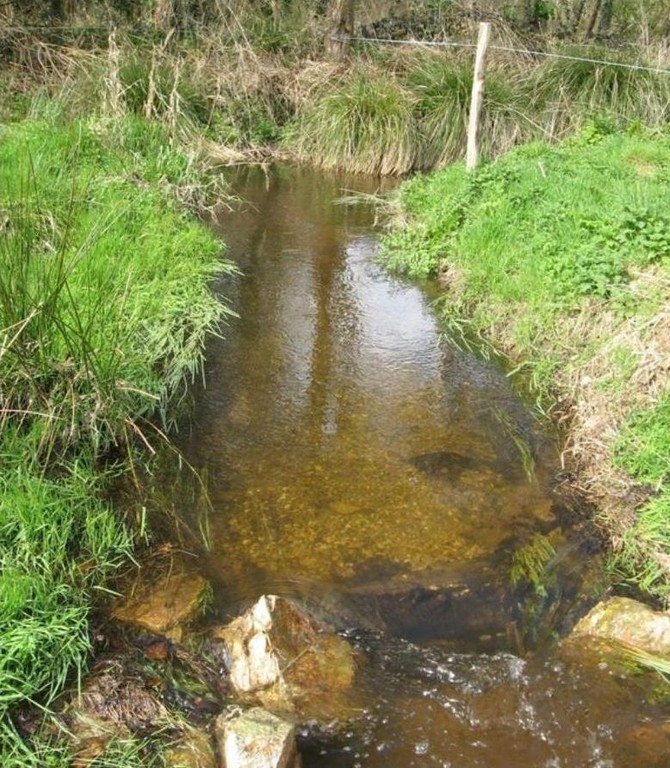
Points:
x=256, y=739
x=280, y=657
x=253, y=665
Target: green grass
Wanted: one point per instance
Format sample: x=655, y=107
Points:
x=104, y=311
x=564, y=92
x=103, y=284
x=643, y=450
x=442, y=86
x=544, y=227
x=58, y=543
x=43, y=753
x=363, y=122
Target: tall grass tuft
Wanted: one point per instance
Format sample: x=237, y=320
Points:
x=103, y=299
x=568, y=92
x=363, y=122
x=443, y=87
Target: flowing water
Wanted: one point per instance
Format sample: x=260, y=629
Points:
x=359, y=461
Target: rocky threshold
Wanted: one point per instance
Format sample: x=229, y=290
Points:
x=236, y=696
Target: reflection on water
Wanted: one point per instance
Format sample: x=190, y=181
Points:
x=357, y=460
x=337, y=430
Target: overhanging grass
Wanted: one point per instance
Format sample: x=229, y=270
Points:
x=104, y=310
x=103, y=283
x=561, y=256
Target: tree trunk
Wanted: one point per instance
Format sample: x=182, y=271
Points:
x=606, y=13
x=340, y=28
x=591, y=24
x=577, y=14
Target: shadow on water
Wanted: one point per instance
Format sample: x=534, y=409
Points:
x=357, y=460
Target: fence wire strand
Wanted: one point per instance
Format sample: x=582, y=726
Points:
x=507, y=49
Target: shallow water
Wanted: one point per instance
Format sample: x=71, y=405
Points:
x=358, y=460
x=342, y=438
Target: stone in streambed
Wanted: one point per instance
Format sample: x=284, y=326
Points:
x=167, y=606
x=622, y=620
x=256, y=739
x=279, y=656
x=645, y=745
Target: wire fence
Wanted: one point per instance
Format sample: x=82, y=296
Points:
x=529, y=52
x=508, y=49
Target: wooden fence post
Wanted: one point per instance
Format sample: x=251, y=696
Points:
x=477, y=95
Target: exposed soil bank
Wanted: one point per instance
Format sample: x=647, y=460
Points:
x=560, y=257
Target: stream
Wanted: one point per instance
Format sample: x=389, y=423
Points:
x=397, y=484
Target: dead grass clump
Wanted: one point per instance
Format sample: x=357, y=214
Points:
x=625, y=369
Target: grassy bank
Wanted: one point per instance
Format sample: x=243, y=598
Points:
x=560, y=256
x=243, y=83
x=104, y=308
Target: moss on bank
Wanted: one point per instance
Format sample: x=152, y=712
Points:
x=104, y=309
x=560, y=255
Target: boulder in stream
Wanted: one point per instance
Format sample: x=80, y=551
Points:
x=165, y=606
x=256, y=739
x=279, y=656
x=622, y=620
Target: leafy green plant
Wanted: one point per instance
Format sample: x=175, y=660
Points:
x=529, y=563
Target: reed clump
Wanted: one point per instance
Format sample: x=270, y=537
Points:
x=363, y=123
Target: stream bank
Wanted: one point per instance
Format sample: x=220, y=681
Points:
x=104, y=308
x=559, y=256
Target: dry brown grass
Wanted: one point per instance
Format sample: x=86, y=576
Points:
x=598, y=402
